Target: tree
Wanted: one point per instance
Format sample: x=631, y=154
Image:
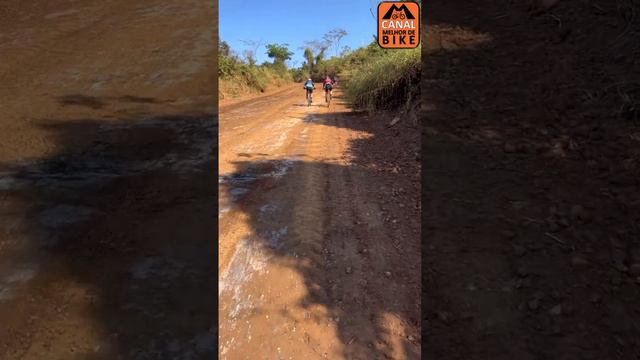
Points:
x=333, y=37
x=252, y=50
x=224, y=48
x=314, y=52
x=320, y=56
x=308, y=55
x=249, y=56
x=316, y=46
x=279, y=53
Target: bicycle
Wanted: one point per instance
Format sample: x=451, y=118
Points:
x=327, y=96
x=309, y=96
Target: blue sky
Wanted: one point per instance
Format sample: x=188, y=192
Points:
x=294, y=22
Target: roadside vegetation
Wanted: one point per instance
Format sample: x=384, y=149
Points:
x=372, y=78
x=378, y=79
x=240, y=75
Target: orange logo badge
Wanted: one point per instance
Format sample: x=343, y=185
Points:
x=398, y=25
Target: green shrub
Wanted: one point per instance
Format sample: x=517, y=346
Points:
x=226, y=66
x=382, y=79
x=298, y=75
x=257, y=77
x=374, y=78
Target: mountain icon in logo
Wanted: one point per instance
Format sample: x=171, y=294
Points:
x=403, y=8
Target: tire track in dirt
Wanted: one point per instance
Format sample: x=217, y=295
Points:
x=298, y=283
x=263, y=130
x=105, y=186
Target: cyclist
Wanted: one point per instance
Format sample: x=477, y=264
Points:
x=327, y=85
x=309, y=86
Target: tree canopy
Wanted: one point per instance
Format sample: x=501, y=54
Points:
x=279, y=53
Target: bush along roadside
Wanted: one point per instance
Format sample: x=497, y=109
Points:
x=239, y=76
x=373, y=78
x=384, y=80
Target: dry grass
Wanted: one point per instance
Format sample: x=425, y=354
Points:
x=388, y=81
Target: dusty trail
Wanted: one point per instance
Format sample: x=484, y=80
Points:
x=311, y=264
x=532, y=244
x=106, y=217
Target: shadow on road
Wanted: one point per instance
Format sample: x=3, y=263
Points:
x=349, y=231
x=527, y=174
x=122, y=230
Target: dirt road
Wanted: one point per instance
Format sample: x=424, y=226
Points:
x=319, y=233
x=531, y=185
x=106, y=214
